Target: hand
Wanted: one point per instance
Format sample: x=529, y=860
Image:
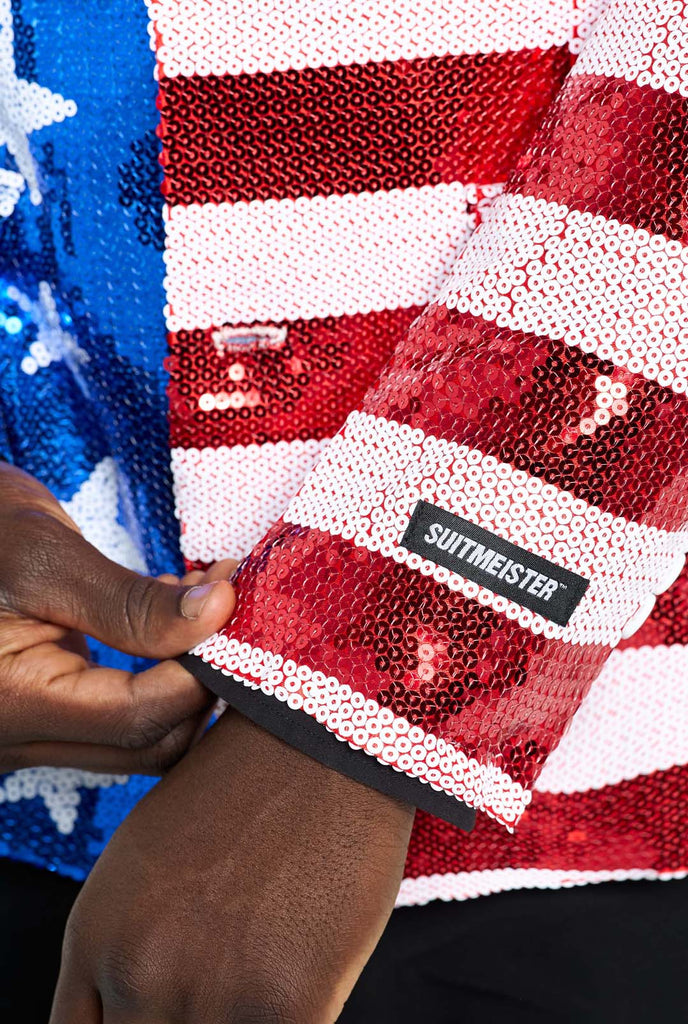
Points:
x=55, y=708
x=249, y=887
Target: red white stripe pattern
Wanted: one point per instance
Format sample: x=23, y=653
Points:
x=543, y=401
x=617, y=291
x=635, y=828
x=374, y=472
x=362, y=723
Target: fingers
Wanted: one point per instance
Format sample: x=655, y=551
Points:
x=91, y=757
x=204, y=721
x=50, y=572
x=221, y=570
x=116, y=708
x=192, y=579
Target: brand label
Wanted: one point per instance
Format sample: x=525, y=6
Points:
x=496, y=564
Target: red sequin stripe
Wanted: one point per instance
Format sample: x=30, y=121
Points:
x=353, y=128
x=463, y=672
x=635, y=824
x=584, y=148
x=297, y=380
x=550, y=409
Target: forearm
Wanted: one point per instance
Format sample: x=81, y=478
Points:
x=352, y=855
x=279, y=877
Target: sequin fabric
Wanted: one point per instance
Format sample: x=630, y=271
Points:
x=322, y=169
x=82, y=386
x=540, y=394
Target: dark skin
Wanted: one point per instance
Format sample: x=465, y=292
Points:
x=250, y=886
x=57, y=708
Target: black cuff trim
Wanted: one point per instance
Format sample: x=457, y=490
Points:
x=303, y=732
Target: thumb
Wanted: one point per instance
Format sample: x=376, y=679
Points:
x=51, y=572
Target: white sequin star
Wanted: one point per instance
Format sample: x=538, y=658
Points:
x=58, y=788
x=25, y=107
x=95, y=510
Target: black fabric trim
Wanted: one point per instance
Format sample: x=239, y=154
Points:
x=301, y=731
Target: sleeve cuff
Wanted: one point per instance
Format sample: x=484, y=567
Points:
x=300, y=731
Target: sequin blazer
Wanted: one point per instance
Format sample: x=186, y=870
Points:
x=426, y=295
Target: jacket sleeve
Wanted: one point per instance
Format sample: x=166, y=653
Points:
x=440, y=594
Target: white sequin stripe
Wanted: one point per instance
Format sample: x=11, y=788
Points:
x=302, y=258
x=227, y=498
x=631, y=723
x=466, y=885
x=373, y=473
x=361, y=722
x=606, y=287
x=245, y=36
x=642, y=41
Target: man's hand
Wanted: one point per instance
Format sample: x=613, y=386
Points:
x=55, y=708
x=249, y=887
